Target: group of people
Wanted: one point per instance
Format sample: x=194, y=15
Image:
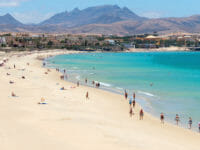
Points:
x=132, y=104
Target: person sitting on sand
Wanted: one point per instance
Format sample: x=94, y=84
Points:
x=177, y=119
x=141, y=114
x=87, y=95
x=8, y=74
x=13, y=94
x=162, y=118
x=23, y=77
x=62, y=88
x=190, y=123
x=11, y=82
x=42, y=101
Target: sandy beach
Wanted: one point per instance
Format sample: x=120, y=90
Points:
x=69, y=121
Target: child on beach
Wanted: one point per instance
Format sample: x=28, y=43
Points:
x=190, y=123
x=177, y=119
x=141, y=114
x=162, y=118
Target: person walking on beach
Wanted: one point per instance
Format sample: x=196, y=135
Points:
x=14, y=66
x=126, y=95
x=131, y=112
x=141, y=114
x=130, y=102
x=86, y=80
x=134, y=96
x=87, y=95
x=177, y=119
x=133, y=102
x=190, y=123
x=162, y=118
x=78, y=84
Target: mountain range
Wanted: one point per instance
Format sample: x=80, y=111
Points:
x=107, y=19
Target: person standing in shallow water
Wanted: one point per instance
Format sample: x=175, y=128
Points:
x=190, y=123
x=134, y=96
x=162, y=118
x=177, y=119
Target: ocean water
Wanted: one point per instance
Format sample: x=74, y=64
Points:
x=167, y=82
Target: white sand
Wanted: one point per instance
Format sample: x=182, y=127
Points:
x=70, y=122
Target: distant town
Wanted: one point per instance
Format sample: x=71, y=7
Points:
x=88, y=42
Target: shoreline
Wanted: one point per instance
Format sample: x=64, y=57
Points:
x=115, y=90
x=101, y=122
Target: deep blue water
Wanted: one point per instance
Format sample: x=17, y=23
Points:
x=166, y=82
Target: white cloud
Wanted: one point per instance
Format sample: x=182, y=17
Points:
x=152, y=14
x=10, y=3
x=32, y=17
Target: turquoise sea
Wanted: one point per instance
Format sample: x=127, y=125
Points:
x=167, y=82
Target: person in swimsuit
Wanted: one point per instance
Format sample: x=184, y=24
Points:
x=126, y=95
x=131, y=112
x=130, y=102
x=87, y=95
x=133, y=96
x=133, y=103
x=190, y=123
x=162, y=118
x=141, y=114
x=177, y=119
x=78, y=84
x=199, y=127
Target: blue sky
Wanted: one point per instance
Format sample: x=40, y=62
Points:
x=34, y=11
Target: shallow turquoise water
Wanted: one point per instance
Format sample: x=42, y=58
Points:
x=174, y=76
